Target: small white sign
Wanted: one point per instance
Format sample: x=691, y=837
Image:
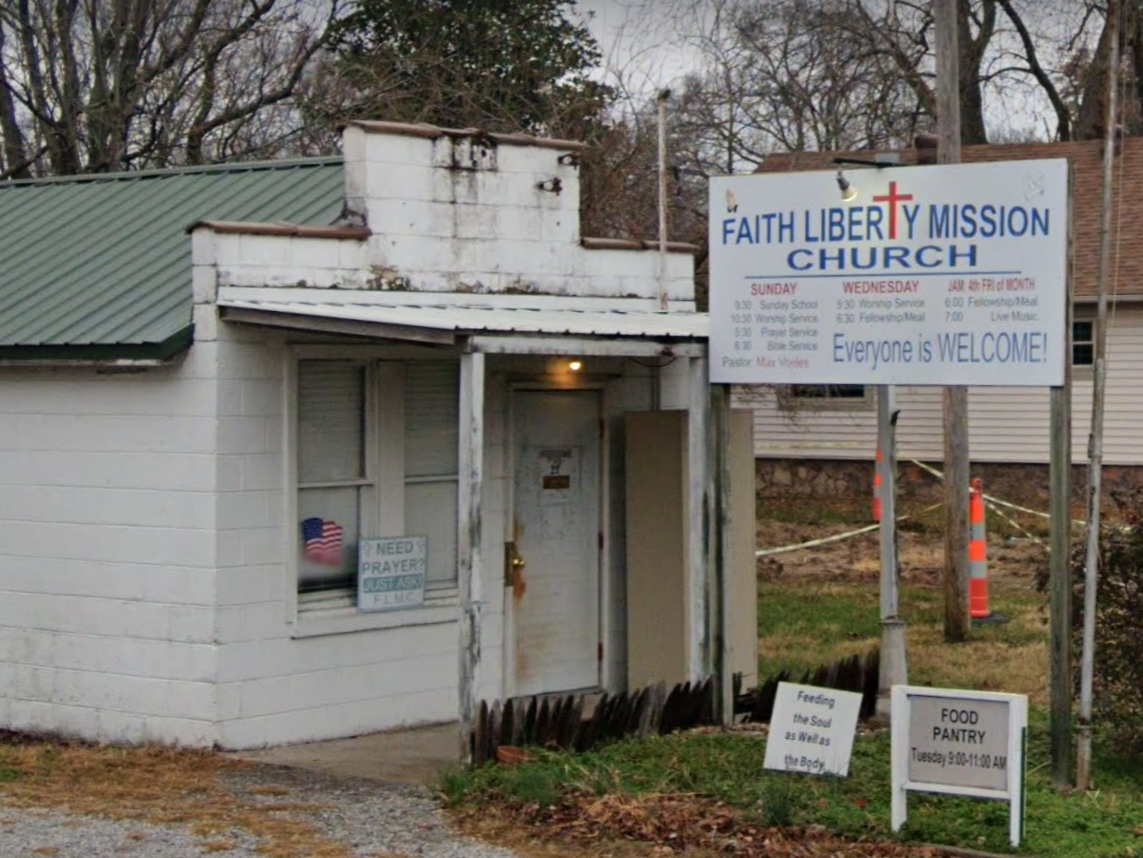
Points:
x=932, y=275
x=811, y=730
x=391, y=572
x=960, y=743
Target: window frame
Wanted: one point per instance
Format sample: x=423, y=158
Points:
x=1079, y=317
x=384, y=429
x=790, y=400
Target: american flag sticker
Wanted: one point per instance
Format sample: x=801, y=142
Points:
x=322, y=541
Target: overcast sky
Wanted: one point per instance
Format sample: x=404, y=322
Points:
x=635, y=43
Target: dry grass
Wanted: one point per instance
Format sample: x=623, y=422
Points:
x=820, y=605
x=164, y=786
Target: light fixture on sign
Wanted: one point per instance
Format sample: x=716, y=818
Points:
x=848, y=191
x=575, y=365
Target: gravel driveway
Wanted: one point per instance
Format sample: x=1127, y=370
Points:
x=373, y=819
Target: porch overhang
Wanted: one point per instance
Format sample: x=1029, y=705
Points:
x=492, y=324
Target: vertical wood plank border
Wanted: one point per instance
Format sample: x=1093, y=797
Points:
x=469, y=532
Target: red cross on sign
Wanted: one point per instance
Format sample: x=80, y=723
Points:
x=893, y=198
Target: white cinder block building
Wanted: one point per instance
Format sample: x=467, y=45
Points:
x=410, y=354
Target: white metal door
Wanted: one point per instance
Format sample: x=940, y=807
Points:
x=555, y=578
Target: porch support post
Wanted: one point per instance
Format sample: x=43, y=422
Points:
x=699, y=493
x=722, y=563
x=469, y=530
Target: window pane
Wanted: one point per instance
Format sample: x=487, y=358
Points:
x=432, y=415
x=1083, y=342
x=829, y=391
x=331, y=421
x=430, y=510
x=327, y=538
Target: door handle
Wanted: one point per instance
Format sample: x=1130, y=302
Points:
x=514, y=568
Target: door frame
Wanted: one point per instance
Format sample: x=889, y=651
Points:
x=599, y=388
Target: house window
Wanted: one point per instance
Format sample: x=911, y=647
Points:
x=376, y=456
x=829, y=392
x=1083, y=342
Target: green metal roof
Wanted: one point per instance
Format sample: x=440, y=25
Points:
x=100, y=266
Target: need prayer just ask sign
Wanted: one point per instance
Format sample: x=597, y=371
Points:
x=921, y=275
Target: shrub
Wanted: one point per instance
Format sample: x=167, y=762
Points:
x=1117, y=687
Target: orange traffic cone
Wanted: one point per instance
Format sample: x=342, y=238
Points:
x=877, y=487
x=977, y=554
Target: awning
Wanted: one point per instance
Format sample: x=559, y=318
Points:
x=487, y=321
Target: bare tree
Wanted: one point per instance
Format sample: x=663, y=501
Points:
x=96, y=85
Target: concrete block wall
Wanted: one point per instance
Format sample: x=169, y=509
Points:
x=297, y=261
x=467, y=214
x=107, y=549
x=280, y=679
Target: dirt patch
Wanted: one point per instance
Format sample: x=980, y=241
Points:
x=162, y=786
x=920, y=552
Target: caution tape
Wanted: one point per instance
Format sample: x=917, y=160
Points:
x=995, y=500
x=837, y=537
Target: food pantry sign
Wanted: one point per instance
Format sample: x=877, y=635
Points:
x=959, y=742
x=930, y=275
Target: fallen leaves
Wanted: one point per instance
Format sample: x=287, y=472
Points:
x=677, y=823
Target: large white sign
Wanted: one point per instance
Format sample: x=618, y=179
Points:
x=961, y=743
x=931, y=276
x=811, y=730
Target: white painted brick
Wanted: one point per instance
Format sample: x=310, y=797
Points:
x=409, y=182
x=242, y=435
x=533, y=161
x=229, y=701
x=230, y=548
x=347, y=685
x=123, y=507
x=178, y=585
x=398, y=149
x=262, y=472
x=157, y=659
x=191, y=701
x=249, y=622
x=481, y=223
x=205, y=322
x=191, y=624
x=113, y=396
x=263, y=546
x=314, y=253
x=202, y=247
x=159, y=545
x=261, y=250
x=244, y=585
x=204, y=284
x=245, y=510
x=329, y=722
x=275, y=436
x=351, y=256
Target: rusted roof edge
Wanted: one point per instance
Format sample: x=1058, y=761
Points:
x=230, y=227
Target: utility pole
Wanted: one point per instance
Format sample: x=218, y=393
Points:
x=1060, y=690
x=1099, y=384
x=955, y=398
